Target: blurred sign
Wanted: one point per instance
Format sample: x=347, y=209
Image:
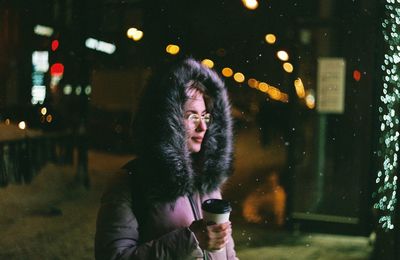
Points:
x=40, y=61
x=331, y=85
x=100, y=45
x=43, y=30
x=38, y=94
x=40, y=64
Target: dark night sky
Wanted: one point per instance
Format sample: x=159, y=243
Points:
x=207, y=27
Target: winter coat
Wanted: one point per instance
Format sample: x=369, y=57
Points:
x=146, y=212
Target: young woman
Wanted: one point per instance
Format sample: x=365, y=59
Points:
x=183, y=133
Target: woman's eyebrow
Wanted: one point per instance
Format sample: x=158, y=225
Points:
x=195, y=112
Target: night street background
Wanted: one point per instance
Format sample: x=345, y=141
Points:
x=315, y=100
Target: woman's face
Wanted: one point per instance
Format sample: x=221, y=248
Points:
x=196, y=107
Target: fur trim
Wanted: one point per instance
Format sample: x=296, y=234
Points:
x=165, y=166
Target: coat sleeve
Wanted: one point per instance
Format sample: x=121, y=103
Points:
x=230, y=250
x=117, y=234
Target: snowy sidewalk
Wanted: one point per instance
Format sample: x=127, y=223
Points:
x=54, y=217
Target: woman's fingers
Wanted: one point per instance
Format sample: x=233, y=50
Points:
x=216, y=244
x=212, y=237
x=219, y=235
x=220, y=227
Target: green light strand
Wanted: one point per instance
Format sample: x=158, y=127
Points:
x=386, y=179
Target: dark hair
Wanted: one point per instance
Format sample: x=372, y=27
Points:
x=199, y=87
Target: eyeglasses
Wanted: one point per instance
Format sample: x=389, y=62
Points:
x=195, y=119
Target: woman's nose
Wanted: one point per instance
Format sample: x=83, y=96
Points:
x=202, y=126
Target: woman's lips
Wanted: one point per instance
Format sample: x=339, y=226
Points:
x=197, y=139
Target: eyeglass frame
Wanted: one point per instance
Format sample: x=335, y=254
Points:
x=193, y=117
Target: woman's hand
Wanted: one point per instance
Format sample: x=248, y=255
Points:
x=211, y=237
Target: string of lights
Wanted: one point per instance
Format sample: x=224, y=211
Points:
x=272, y=92
x=386, y=179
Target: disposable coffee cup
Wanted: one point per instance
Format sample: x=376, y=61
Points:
x=216, y=211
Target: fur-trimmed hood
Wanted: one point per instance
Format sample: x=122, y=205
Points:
x=165, y=168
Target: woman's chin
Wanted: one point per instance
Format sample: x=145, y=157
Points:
x=194, y=148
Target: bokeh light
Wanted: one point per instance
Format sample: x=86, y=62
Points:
x=386, y=194
x=288, y=67
x=67, y=89
x=137, y=36
x=270, y=38
x=298, y=84
x=274, y=93
x=310, y=100
x=22, y=125
x=130, y=32
x=282, y=55
x=253, y=83
x=78, y=90
x=172, y=49
x=208, y=63
x=43, y=111
x=239, y=77
x=356, y=75
x=250, y=4
x=88, y=90
x=134, y=34
x=284, y=97
x=49, y=118
x=227, y=72
x=54, y=45
x=262, y=86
